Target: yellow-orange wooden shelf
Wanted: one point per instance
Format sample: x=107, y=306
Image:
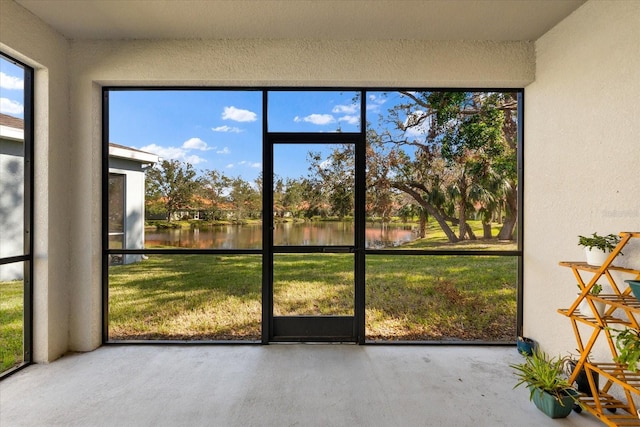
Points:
x=621, y=310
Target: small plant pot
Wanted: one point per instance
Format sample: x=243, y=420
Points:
x=585, y=308
x=595, y=256
x=553, y=407
x=525, y=346
x=635, y=287
x=582, y=381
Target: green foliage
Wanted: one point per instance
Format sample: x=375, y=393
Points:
x=595, y=290
x=628, y=345
x=172, y=183
x=604, y=243
x=542, y=372
x=454, y=153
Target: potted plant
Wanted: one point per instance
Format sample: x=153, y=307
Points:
x=582, y=380
x=585, y=308
x=628, y=345
x=525, y=345
x=597, y=248
x=549, y=387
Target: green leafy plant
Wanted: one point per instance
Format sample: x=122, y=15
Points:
x=541, y=372
x=595, y=290
x=604, y=243
x=628, y=345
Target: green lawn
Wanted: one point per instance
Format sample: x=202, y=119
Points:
x=407, y=297
x=11, y=324
x=197, y=297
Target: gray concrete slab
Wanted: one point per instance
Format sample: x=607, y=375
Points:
x=275, y=385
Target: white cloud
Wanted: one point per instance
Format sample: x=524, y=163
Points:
x=196, y=144
x=194, y=160
x=226, y=128
x=416, y=130
x=11, y=82
x=225, y=150
x=297, y=119
x=352, y=120
x=8, y=106
x=320, y=119
x=255, y=165
x=230, y=166
x=346, y=109
x=238, y=115
x=172, y=153
x=375, y=103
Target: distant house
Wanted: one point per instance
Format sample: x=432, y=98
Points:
x=126, y=199
x=126, y=196
x=11, y=194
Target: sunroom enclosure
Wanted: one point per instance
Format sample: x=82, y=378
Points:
x=337, y=214
x=16, y=216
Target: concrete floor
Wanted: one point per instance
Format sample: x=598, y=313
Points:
x=275, y=385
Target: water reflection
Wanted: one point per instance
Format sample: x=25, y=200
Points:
x=286, y=234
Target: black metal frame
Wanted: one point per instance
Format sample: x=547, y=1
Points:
x=315, y=328
x=267, y=251
x=27, y=256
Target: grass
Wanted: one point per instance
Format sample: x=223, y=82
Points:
x=198, y=297
x=11, y=324
x=186, y=297
x=407, y=297
x=441, y=298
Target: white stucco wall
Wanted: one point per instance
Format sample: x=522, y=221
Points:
x=581, y=116
x=582, y=155
x=28, y=39
x=246, y=63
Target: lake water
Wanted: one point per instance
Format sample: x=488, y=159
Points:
x=286, y=234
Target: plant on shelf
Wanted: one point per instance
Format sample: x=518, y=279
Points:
x=595, y=289
x=581, y=380
x=628, y=345
x=549, y=387
x=584, y=306
x=604, y=243
x=598, y=247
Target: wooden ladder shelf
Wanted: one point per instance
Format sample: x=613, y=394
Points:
x=622, y=309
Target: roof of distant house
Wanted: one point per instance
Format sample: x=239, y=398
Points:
x=123, y=152
x=10, y=121
x=13, y=128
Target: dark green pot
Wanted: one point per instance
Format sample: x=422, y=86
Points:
x=551, y=406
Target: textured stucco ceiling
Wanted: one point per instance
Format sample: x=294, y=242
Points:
x=498, y=20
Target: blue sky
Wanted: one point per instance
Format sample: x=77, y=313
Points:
x=222, y=130
x=11, y=89
x=216, y=129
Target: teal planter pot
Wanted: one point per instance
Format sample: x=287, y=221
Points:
x=525, y=346
x=551, y=406
x=635, y=287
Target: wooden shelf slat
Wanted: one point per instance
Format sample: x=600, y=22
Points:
x=600, y=403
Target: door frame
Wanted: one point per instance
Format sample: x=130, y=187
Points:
x=314, y=328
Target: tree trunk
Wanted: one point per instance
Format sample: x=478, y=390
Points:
x=486, y=230
x=462, y=215
x=422, y=233
x=451, y=235
x=469, y=232
x=511, y=215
